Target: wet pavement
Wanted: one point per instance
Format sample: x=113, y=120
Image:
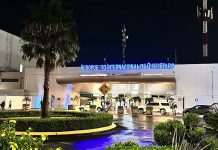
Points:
x=136, y=128
x=141, y=122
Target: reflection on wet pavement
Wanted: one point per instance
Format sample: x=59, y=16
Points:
x=143, y=137
x=138, y=128
x=141, y=121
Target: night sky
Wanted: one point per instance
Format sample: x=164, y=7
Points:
x=156, y=28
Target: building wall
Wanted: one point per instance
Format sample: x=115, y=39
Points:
x=7, y=83
x=10, y=58
x=34, y=82
x=197, y=83
x=194, y=83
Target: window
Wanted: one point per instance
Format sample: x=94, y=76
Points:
x=10, y=80
x=165, y=104
x=153, y=104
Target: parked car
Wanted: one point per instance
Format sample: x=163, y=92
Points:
x=162, y=107
x=214, y=106
x=86, y=106
x=199, y=109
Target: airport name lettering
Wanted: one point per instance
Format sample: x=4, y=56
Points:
x=128, y=66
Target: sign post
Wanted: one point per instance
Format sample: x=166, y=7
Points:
x=104, y=89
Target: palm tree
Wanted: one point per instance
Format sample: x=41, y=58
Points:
x=136, y=99
x=119, y=99
x=49, y=37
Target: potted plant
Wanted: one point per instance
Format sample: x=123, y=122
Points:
x=120, y=110
x=141, y=110
x=148, y=100
x=71, y=107
x=149, y=110
x=134, y=109
x=26, y=106
x=92, y=108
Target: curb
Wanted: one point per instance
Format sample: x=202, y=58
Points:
x=112, y=126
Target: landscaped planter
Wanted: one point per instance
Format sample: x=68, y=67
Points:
x=26, y=107
x=120, y=110
x=92, y=108
x=134, y=109
x=149, y=110
x=141, y=110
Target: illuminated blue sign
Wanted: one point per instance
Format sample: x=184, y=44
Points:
x=129, y=66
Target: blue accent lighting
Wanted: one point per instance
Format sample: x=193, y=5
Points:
x=142, y=137
x=68, y=93
x=37, y=101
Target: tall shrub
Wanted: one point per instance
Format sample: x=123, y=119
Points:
x=191, y=121
x=164, y=132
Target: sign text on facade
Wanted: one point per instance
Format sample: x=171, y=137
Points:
x=129, y=66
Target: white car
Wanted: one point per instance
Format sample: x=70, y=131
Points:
x=162, y=107
x=86, y=106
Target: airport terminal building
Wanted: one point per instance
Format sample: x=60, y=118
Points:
x=188, y=84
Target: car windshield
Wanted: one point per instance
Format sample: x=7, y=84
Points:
x=165, y=104
x=214, y=106
x=153, y=104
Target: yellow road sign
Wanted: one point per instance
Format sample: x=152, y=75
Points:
x=104, y=89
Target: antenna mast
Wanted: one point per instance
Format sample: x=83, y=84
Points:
x=206, y=15
x=124, y=38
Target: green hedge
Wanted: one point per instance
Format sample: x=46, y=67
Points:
x=35, y=113
x=210, y=143
x=212, y=120
x=191, y=121
x=134, y=146
x=164, y=132
x=63, y=120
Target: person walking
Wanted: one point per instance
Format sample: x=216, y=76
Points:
x=3, y=105
x=9, y=106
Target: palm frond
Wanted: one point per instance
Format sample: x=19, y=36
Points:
x=60, y=62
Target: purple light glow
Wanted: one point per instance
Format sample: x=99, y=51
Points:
x=142, y=137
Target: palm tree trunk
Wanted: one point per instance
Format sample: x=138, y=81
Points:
x=45, y=105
